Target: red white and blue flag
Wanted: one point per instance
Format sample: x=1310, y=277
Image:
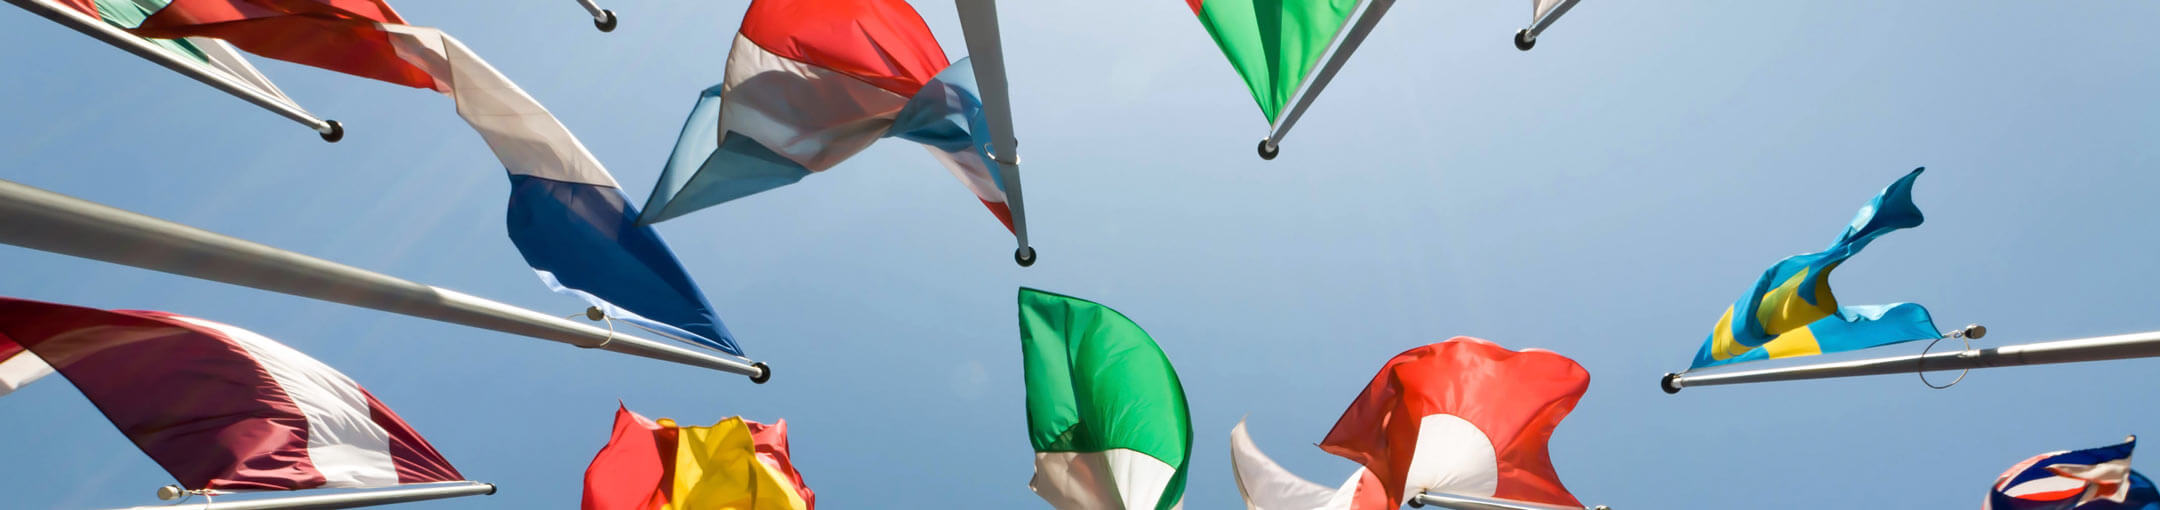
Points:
x=2090, y=479
x=217, y=406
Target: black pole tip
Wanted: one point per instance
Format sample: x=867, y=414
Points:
x=1025, y=256
x=337, y=132
x=607, y=21
x=1524, y=41
x=1668, y=383
x=764, y=372
x=1414, y=503
x=491, y=489
x=1268, y=150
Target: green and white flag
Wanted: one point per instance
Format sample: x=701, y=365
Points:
x=1106, y=414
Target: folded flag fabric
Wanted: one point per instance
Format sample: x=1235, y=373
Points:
x=1274, y=44
x=1791, y=312
x=1267, y=486
x=1465, y=417
x=734, y=464
x=812, y=82
x=19, y=367
x=1105, y=411
x=211, y=54
x=221, y=407
x=2090, y=479
x=567, y=216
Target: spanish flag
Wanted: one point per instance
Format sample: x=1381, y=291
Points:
x=736, y=464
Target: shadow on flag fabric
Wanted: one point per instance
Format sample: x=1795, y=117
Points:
x=734, y=464
x=2091, y=479
x=1274, y=44
x=1105, y=411
x=567, y=216
x=810, y=84
x=1267, y=486
x=221, y=407
x=1791, y=312
x=1464, y=417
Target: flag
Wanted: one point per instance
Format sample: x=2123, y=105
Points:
x=1267, y=486
x=1105, y=412
x=569, y=219
x=221, y=407
x=734, y=464
x=1274, y=44
x=208, y=55
x=1791, y=312
x=19, y=367
x=1464, y=417
x=812, y=82
x=2091, y=479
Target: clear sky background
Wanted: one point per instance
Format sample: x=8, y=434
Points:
x=1604, y=196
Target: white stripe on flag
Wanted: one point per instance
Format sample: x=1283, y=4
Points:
x=813, y=116
x=1117, y=478
x=19, y=370
x=1453, y=456
x=344, y=443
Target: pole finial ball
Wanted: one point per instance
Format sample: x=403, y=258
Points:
x=1975, y=331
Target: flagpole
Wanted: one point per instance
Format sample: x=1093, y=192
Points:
x=2126, y=346
x=1459, y=502
x=333, y=501
x=42, y=220
x=1527, y=38
x=1319, y=80
x=330, y=130
x=979, y=24
x=602, y=19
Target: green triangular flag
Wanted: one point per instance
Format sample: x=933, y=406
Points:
x=1106, y=414
x=1273, y=43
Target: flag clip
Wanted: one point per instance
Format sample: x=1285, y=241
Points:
x=1966, y=336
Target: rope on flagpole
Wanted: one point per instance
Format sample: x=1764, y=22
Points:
x=593, y=313
x=1967, y=334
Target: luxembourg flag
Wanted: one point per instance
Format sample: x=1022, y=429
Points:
x=567, y=216
x=221, y=407
x=812, y=82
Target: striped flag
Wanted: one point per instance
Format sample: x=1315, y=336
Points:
x=210, y=55
x=221, y=407
x=812, y=82
x=658, y=465
x=1274, y=44
x=1105, y=411
x=567, y=216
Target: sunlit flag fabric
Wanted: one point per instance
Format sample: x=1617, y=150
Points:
x=1791, y=312
x=221, y=407
x=212, y=55
x=567, y=216
x=19, y=367
x=734, y=464
x=812, y=82
x=2091, y=479
x=1274, y=44
x=1267, y=486
x=1105, y=412
x=1465, y=417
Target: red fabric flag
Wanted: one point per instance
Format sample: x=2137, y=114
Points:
x=1479, y=414
x=636, y=470
x=346, y=36
x=772, y=447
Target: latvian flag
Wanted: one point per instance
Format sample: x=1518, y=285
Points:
x=217, y=406
x=811, y=83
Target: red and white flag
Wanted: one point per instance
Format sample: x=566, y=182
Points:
x=221, y=407
x=1465, y=417
x=1267, y=486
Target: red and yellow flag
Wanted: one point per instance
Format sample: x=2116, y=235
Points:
x=735, y=464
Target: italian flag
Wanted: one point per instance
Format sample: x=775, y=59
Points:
x=1274, y=44
x=1105, y=411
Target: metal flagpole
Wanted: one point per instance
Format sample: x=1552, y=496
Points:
x=2127, y=346
x=602, y=19
x=1527, y=38
x=1319, y=80
x=42, y=220
x=1459, y=502
x=330, y=130
x=402, y=494
x=979, y=24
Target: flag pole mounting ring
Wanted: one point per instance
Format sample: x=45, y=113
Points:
x=1966, y=335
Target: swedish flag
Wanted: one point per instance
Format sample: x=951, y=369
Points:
x=1791, y=311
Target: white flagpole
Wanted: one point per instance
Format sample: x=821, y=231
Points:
x=43, y=220
x=979, y=24
x=602, y=19
x=330, y=130
x=2126, y=346
x=1527, y=38
x=1458, y=502
x=402, y=494
x=1350, y=39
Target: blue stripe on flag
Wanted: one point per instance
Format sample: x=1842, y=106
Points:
x=584, y=241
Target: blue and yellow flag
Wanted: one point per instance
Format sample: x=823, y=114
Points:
x=1791, y=311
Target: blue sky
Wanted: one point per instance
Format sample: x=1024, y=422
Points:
x=1604, y=196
